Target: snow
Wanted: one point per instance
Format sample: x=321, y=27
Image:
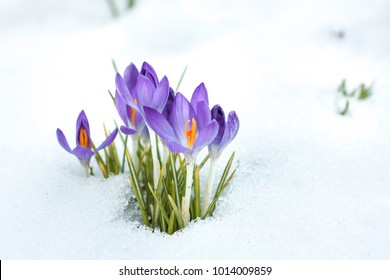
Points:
x=310, y=184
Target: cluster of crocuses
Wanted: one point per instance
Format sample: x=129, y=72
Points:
x=163, y=127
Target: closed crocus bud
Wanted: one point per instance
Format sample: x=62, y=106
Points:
x=226, y=133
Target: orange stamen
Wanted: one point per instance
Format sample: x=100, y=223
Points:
x=132, y=113
x=83, y=137
x=190, y=133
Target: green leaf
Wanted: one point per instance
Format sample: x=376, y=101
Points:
x=204, y=161
x=136, y=189
x=342, y=87
x=226, y=171
x=364, y=92
x=177, y=213
x=114, y=65
x=223, y=183
x=101, y=164
x=159, y=204
x=346, y=108
x=197, y=192
x=112, y=97
x=171, y=224
x=181, y=78
x=175, y=181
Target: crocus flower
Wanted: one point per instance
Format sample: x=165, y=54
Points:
x=188, y=130
x=189, y=127
x=139, y=89
x=83, y=150
x=133, y=120
x=166, y=113
x=227, y=130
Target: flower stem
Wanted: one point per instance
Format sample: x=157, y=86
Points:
x=185, y=208
x=134, y=142
x=165, y=157
x=156, y=163
x=209, y=185
x=86, y=169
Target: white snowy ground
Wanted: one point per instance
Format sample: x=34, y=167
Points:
x=310, y=185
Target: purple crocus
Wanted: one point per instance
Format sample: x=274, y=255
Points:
x=83, y=150
x=133, y=120
x=227, y=130
x=139, y=89
x=189, y=127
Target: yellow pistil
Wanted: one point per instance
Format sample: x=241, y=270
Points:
x=83, y=137
x=190, y=133
x=132, y=113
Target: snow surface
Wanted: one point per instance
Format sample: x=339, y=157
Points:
x=310, y=183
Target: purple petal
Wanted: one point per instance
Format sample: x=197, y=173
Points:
x=160, y=95
x=82, y=153
x=82, y=121
x=122, y=108
x=218, y=114
x=130, y=77
x=168, y=106
x=148, y=71
x=206, y=135
x=62, y=140
x=139, y=121
x=159, y=124
x=109, y=140
x=128, y=131
x=144, y=91
x=124, y=91
x=177, y=148
x=182, y=111
x=231, y=130
x=204, y=114
x=200, y=94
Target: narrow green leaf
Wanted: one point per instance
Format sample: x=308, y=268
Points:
x=197, y=192
x=159, y=204
x=221, y=186
x=174, y=174
x=171, y=224
x=225, y=172
x=136, y=189
x=346, y=108
x=177, y=213
x=204, y=161
x=163, y=224
x=114, y=65
x=112, y=97
x=103, y=169
x=181, y=78
x=101, y=164
x=211, y=208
